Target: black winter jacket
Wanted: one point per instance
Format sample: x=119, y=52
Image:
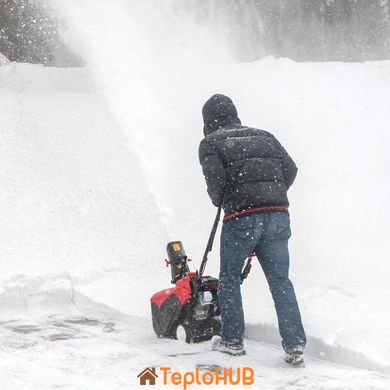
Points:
x=248, y=166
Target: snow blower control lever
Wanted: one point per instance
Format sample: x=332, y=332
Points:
x=210, y=242
x=209, y=247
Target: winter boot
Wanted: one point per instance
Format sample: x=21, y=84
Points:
x=294, y=356
x=217, y=344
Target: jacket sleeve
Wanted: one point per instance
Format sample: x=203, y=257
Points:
x=213, y=171
x=289, y=168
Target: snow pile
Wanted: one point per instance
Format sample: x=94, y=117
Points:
x=3, y=60
x=72, y=196
x=24, y=297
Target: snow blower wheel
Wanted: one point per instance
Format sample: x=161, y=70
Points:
x=181, y=334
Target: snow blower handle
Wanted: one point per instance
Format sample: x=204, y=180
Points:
x=209, y=246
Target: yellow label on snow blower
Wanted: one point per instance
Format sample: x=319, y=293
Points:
x=176, y=247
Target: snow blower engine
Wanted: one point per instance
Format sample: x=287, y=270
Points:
x=189, y=311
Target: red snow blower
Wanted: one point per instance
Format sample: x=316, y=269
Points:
x=189, y=311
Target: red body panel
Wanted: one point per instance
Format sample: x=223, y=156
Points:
x=182, y=290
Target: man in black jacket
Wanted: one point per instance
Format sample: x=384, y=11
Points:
x=249, y=172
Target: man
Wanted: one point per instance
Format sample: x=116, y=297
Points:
x=249, y=172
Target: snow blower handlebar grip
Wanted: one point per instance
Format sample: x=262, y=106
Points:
x=210, y=242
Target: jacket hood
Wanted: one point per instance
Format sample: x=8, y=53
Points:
x=219, y=111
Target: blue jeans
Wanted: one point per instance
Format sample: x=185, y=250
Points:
x=266, y=234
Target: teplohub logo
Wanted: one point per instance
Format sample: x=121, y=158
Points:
x=201, y=376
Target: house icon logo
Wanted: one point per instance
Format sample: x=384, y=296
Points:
x=147, y=376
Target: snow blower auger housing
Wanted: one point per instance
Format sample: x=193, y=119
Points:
x=189, y=311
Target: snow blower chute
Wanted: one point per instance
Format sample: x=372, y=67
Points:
x=189, y=311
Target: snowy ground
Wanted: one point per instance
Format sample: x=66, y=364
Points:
x=90, y=346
